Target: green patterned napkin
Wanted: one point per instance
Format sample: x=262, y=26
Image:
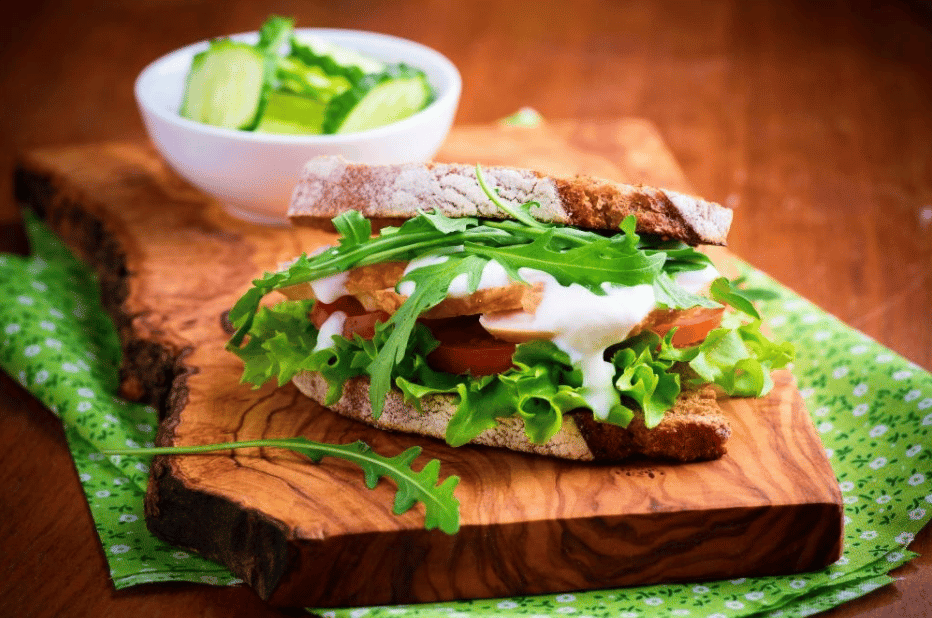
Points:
x=57, y=341
x=872, y=408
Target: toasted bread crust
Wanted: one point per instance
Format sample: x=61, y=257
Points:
x=390, y=193
x=695, y=429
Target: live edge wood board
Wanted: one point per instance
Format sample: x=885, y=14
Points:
x=171, y=263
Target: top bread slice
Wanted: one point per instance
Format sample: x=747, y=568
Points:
x=388, y=194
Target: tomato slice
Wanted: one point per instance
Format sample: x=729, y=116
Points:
x=692, y=326
x=363, y=325
x=466, y=347
x=358, y=321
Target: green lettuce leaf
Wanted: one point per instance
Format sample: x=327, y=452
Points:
x=646, y=379
x=481, y=404
x=540, y=388
x=545, y=386
x=728, y=293
x=738, y=359
x=280, y=340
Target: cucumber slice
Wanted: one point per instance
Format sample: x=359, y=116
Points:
x=291, y=114
x=379, y=100
x=334, y=59
x=310, y=81
x=225, y=85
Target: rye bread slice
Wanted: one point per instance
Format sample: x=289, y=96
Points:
x=388, y=194
x=695, y=429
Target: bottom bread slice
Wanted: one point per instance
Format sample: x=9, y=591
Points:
x=695, y=429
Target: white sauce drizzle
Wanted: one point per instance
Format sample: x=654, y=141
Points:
x=328, y=289
x=333, y=325
x=406, y=288
x=582, y=324
x=493, y=276
x=696, y=281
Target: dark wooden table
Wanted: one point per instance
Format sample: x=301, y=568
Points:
x=812, y=120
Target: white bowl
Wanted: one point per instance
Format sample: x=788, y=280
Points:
x=253, y=174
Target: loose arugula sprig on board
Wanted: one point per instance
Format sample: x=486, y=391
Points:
x=440, y=506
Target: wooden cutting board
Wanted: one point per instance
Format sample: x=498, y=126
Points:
x=171, y=262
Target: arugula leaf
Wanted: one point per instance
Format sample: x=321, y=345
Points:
x=672, y=296
x=678, y=255
x=591, y=265
x=355, y=249
x=415, y=237
x=434, y=231
x=448, y=225
x=354, y=229
x=521, y=214
x=440, y=505
x=754, y=293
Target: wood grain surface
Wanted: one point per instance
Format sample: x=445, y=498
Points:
x=306, y=535
x=813, y=120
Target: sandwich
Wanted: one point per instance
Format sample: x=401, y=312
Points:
x=567, y=317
